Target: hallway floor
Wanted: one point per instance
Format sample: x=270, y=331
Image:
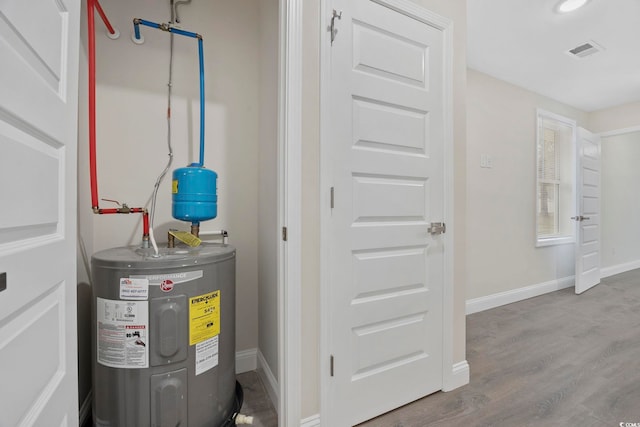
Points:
x=557, y=360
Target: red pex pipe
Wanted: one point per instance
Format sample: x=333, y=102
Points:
x=92, y=104
x=145, y=224
x=143, y=211
x=91, y=4
x=104, y=17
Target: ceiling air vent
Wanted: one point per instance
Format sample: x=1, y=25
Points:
x=586, y=49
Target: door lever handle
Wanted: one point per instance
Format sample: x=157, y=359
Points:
x=436, y=228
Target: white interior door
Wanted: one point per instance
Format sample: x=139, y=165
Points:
x=39, y=42
x=386, y=149
x=588, y=213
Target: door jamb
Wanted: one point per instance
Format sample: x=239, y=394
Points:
x=289, y=211
x=615, y=132
x=454, y=374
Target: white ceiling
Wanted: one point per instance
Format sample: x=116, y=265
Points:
x=524, y=42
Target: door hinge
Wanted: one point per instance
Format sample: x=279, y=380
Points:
x=331, y=365
x=332, y=198
x=284, y=233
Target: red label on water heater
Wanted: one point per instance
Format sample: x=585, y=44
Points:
x=166, y=285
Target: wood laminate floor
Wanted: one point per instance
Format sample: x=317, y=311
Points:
x=557, y=360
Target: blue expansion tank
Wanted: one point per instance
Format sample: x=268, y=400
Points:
x=195, y=197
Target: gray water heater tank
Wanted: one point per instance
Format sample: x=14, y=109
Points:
x=163, y=336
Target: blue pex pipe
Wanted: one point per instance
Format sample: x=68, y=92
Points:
x=183, y=33
x=165, y=27
x=201, y=54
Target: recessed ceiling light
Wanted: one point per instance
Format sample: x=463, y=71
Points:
x=570, y=5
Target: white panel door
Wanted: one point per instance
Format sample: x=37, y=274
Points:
x=39, y=42
x=588, y=212
x=386, y=144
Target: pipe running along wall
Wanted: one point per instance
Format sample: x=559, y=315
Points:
x=166, y=27
x=113, y=33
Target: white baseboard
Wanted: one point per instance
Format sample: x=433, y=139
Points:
x=269, y=380
x=246, y=360
x=458, y=377
x=312, y=421
x=619, y=268
x=503, y=298
x=85, y=409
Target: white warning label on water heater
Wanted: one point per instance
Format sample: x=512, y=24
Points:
x=136, y=289
x=122, y=333
x=206, y=355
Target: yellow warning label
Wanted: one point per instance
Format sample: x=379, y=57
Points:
x=186, y=237
x=174, y=186
x=204, y=317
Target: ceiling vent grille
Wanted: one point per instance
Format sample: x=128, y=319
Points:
x=585, y=49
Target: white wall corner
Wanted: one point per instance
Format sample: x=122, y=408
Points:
x=458, y=376
x=246, y=360
x=268, y=379
x=476, y=305
x=312, y=421
x=619, y=268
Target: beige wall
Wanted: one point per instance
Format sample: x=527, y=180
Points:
x=501, y=251
x=456, y=11
x=268, y=239
x=310, y=208
x=616, y=118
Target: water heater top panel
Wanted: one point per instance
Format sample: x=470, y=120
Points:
x=139, y=258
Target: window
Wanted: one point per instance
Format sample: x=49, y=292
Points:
x=555, y=197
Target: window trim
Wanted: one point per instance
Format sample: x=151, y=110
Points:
x=560, y=239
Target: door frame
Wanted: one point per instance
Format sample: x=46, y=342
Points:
x=450, y=380
x=616, y=132
x=610, y=271
x=289, y=208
